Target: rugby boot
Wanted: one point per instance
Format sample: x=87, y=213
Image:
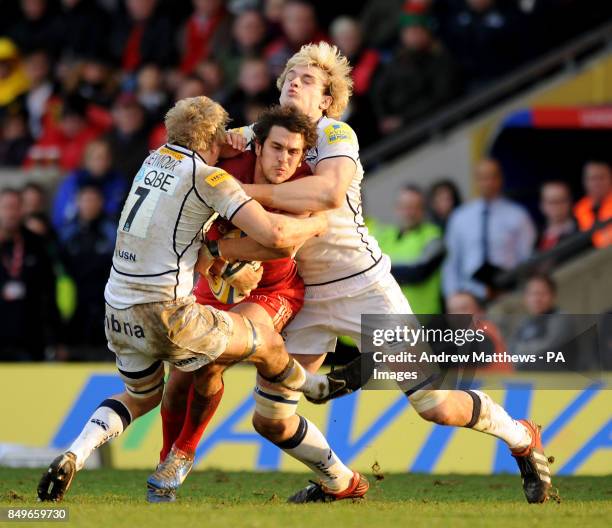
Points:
x=168, y=476
x=55, y=482
x=316, y=492
x=534, y=466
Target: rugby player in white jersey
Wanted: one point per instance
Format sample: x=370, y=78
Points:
x=346, y=275
x=151, y=316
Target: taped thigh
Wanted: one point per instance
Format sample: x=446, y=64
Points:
x=425, y=399
x=144, y=383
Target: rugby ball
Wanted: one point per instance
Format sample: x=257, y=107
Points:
x=223, y=291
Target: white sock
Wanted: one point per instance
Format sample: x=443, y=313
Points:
x=494, y=420
x=108, y=421
x=310, y=447
x=299, y=379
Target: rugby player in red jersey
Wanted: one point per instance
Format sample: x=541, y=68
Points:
x=282, y=137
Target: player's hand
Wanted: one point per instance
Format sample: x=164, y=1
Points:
x=245, y=279
x=206, y=259
x=236, y=141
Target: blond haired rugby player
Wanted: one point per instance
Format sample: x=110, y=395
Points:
x=151, y=316
x=346, y=275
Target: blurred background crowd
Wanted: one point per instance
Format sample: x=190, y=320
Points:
x=84, y=86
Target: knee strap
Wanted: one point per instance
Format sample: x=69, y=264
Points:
x=275, y=403
x=253, y=339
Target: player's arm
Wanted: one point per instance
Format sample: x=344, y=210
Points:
x=276, y=230
x=246, y=248
x=325, y=190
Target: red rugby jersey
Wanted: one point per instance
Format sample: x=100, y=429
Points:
x=280, y=274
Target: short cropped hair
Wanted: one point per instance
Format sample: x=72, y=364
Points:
x=329, y=59
x=286, y=117
x=196, y=123
x=550, y=283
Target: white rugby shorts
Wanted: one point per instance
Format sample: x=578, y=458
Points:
x=318, y=324
x=182, y=332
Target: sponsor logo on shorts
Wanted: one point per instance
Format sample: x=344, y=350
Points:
x=183, y=362
x=121, y=327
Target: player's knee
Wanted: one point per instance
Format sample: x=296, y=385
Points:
x=271, y=342
x=273, y=430
x=273, y=405
x=432, y=405
x=209, y=379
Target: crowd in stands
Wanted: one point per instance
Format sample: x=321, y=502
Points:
x=84, y=86
x=75, y=70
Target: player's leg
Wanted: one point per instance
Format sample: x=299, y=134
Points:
x=276, y=419
x=265, y=349
x=174, y=408
x=200, y=400
x=144, y=386
x=476, y=410
x=204, y=393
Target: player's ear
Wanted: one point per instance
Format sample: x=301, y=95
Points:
x=257, y=148
x=326, y=102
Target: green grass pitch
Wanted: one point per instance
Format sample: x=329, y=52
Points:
x=224, y=499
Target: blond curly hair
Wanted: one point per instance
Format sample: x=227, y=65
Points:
x=329, y=59
x=196, y=123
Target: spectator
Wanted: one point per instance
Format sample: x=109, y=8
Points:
x=97, y=170
x=347, y=35
x=86, y=246
x=444, y=197
x=556, y=206
x=30, y=319
x=485, y=236
x=13, y=78
x=64, y=143
x=418, y=80
x=15, y=140
x=382, y=19
x=38, y=71
x=254, y=82
x=250, y=37
x=544, y=328
x=207, y=33
x=151, y=94
x=35, y=206
x=216, y=86
x=142, y=37
x=300, y=26
x=486, y=40
x=93, y=79
x=37, y=28
x=129, y=137
x=465, y=303
x=596, y=205
x=416, y=249
x=273, y=11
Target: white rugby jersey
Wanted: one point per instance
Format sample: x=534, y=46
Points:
x=174, y=199
x=346, y=249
